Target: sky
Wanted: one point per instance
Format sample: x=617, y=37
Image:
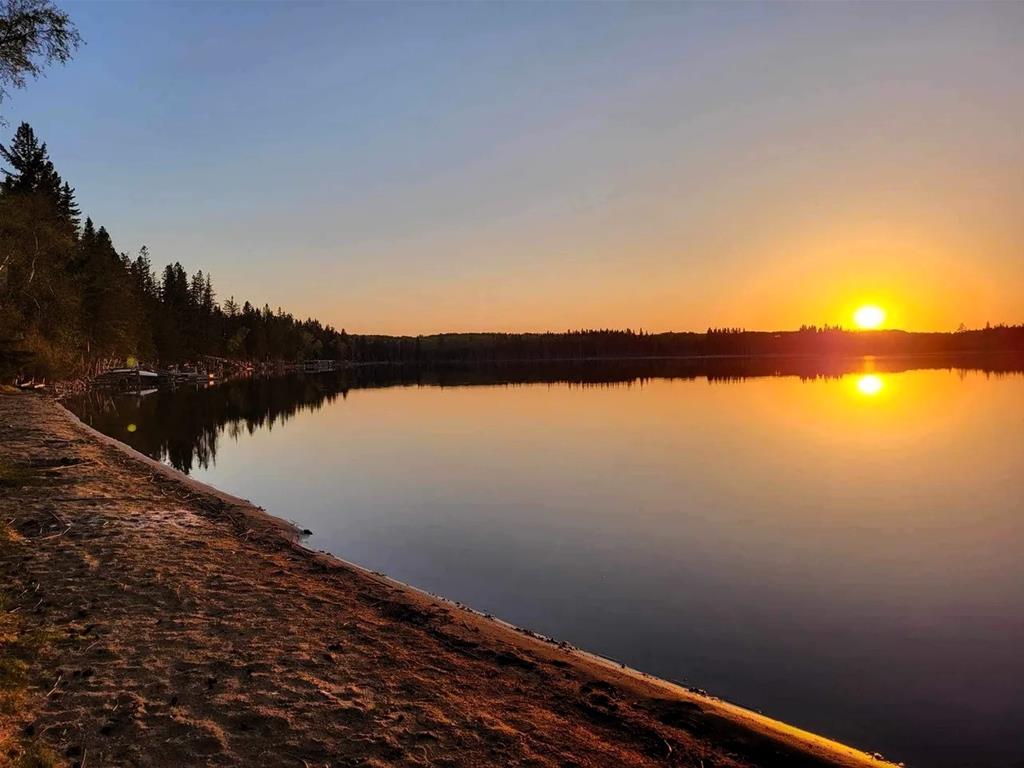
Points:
x=393, y=168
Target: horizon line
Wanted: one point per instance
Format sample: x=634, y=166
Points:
x=709, y=330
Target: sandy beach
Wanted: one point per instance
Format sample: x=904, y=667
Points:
x=146, y=619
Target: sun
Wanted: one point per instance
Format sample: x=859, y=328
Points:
x=869, y=316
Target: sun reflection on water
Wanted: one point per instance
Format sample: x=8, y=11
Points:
x=870, y=384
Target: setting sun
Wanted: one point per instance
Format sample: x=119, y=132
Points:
x=869, y=316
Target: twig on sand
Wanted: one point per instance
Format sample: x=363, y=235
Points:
x=62, y=467
x=54, y=689
x=64, y=499
x=55, y=535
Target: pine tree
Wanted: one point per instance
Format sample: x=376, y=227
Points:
x=88, y=236
x=31, y=169
x=68, y=207
x=195, y=290
x=108, y=307
x=209, y=297
x=142, y=271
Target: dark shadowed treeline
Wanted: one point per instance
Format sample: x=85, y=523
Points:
x=70, y=303
x=582, y=345
x=183, y=427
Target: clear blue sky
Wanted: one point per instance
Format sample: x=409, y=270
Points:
x=415, y=168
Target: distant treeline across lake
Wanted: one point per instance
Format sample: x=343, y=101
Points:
x=608, y=344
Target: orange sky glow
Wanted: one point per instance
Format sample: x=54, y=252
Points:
x=411, y=169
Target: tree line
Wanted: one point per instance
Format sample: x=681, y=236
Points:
x=612, y=344
x=70, y=303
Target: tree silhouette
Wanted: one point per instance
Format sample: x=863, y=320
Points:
x=33, y=34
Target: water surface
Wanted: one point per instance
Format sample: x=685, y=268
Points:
x=837, y=545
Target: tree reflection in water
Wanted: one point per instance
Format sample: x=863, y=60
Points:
x=182, y=427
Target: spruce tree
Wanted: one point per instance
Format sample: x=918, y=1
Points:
x=30, y=167
x=68, y=207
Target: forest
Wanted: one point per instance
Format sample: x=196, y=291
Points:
x=72, y=304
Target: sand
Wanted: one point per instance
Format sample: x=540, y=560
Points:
x=149, y=620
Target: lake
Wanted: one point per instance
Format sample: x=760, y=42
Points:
x=839, y=544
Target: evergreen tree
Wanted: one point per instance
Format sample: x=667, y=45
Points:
x=142, y=272
x=30, y=167
x=88, y=233
x=209, y=297
x=109, y=308
x=68, y=207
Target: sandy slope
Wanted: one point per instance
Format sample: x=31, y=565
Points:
x=172, y=625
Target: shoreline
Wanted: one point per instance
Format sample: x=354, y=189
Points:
x=554, y=704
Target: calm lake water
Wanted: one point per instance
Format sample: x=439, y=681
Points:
x=840, y=546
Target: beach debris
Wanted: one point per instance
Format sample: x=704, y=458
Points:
x=53, y=690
